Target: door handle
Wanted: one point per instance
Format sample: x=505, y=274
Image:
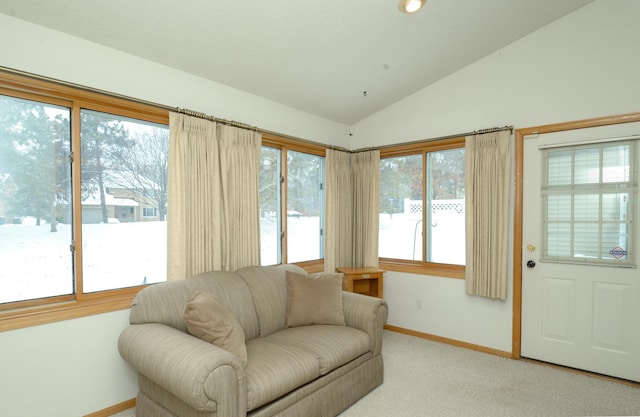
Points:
x=531, y=264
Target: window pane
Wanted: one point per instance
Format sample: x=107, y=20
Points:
x=586, y=207
x=446, y=219
x=305, y=175
x=559, y=208
x=558, y=240
x=270, y=173
x=400, y=235
x=615, y=163
x=615, y=206
x=585, y=240
x=124, y=201
x=35, y=201
x=559, y=165
x=615, y=238
x=587, y=166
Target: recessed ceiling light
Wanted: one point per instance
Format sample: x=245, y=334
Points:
x=411, y=6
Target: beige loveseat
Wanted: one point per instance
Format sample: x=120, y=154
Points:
x=300, y=370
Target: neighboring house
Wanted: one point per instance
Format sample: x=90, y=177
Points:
x=146, y=210
x=123, y=209
x=123, y=206
x=124, y=202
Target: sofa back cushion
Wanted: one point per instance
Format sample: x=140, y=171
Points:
x=268, y=287
x=165, y=302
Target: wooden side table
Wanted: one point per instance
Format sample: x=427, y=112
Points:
x=365, y=280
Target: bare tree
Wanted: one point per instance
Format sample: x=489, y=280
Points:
x=143, y=170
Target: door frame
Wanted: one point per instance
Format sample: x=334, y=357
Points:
x=519, y=135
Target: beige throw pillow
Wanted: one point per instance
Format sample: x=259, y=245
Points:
x=208, y=319
x=314, y=299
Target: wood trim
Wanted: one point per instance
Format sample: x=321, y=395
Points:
x=277, y=141
x=36, y=303
x=105, y=101
x=436, y=270
x=516, y=324
x=582, y=124
x=519, y=172
x=432, y=145
x=312, y=266
x=114, y=409
x=17, y=319
x=448, y=341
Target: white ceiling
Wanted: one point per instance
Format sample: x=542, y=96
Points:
x=316, y=56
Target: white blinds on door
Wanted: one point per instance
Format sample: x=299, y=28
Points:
x=587, y=203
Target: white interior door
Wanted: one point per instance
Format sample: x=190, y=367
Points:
x=581, y=287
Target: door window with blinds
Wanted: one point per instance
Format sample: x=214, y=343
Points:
x=588, y=197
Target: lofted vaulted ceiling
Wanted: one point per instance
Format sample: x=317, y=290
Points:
x=342, y=60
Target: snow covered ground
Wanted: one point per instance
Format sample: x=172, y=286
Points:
x=303, y=239
x=36, y=263
x=401, y=237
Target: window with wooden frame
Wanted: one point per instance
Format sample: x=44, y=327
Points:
x=292, y=202
x=80, y=171
x=422, y=208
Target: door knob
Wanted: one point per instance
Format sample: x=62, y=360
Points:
x=531, y=264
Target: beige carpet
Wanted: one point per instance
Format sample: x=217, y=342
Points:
x=424, y=378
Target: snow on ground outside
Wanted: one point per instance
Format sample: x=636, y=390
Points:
x=36, y=263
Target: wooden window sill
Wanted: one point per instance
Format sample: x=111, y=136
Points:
x=34, y=316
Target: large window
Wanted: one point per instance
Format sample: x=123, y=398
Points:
x=83, y=197
x=291, y=205
x=422, y=210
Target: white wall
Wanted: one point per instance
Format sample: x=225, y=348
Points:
x=584, y=65
x=65, y=369
x=581, y=66
x=41, y=51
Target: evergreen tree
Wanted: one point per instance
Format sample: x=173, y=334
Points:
x=104, y=142
x=34, y=143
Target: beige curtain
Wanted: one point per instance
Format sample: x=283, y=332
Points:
x=213, y=211
x=338, y=220
x=351, y=223
x=488, y=173
x=365, y=168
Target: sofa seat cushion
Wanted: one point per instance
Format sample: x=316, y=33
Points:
x=275, y=369
x=332, y=346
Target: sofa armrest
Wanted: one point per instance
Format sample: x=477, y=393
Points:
x=368, y=314
x=202, y=375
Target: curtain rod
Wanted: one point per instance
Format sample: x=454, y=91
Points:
x=491, y=130
x=257, y=129
x=474, y=132
x=200, y=115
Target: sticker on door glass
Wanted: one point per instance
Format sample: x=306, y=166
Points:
x=618, y=252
